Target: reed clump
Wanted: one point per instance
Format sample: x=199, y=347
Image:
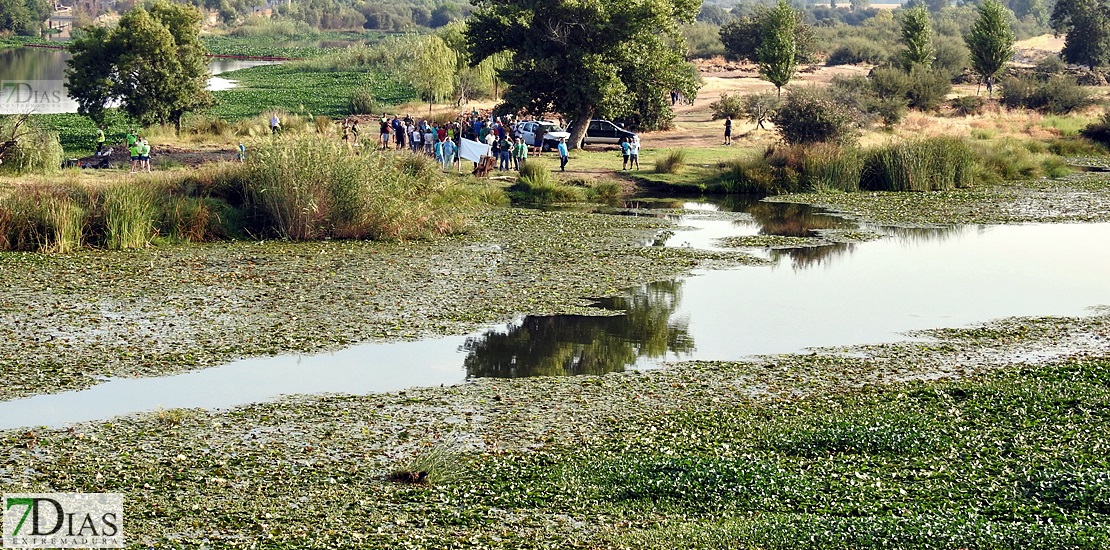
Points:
x=672, y=162
x=933, y=164
x=295, y=188
x=537, y=185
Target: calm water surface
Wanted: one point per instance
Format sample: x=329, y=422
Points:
x=841, y=294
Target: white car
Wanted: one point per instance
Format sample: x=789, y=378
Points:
x=552, y=133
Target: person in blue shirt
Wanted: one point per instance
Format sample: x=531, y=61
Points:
x=564, y=156
x=625, y=150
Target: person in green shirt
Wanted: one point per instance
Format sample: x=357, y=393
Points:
x=144, y=155
x=520, y=151
x=133, y=149
x=131, y=138
x=99, y=140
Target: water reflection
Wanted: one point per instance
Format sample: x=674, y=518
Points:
x=582, y=344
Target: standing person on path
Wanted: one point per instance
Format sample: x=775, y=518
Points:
x=100, y=139
x=241, y=155
x=520, y=151
x=354, y=130
x=133, y=150
x=275, y=124
x=728, y=130
x=505, y=158
x=144, y=156
x=384, y=132
x=448, y=154
x=626, y=150
x=564, y=156
x=634, y=153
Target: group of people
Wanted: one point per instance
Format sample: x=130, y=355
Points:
x=139, y=150
x=442, y=140
x=630, y=152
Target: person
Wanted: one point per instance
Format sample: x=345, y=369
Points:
x=634, y=153
x=538, y=139
x=504, y=159
x=448, y=154
x=133, y=149
x=347, y=132
x=564, y=156
x=100, y=139
x=674, y=97
x=437, y=150
x=275, y=124
x=417, y=138
x=131, y=137
x=521, y=151
x=398, y=135
x=241, y=155
x=144, y=156
x=384, y=132
x=728, y=130
x=626, y=148
x=354, y=130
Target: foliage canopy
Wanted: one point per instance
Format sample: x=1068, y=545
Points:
x=586, y=58
x=153, y=63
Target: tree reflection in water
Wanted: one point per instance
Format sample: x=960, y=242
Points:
x=582, y=344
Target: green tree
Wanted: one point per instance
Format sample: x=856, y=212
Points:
x=917, y=36
x=23, y=16
x=741, y=37
x=583, y=58
x=990, y=43
x=153, y=63
x=1086, y=24
x=777, y=49
x=434, y=70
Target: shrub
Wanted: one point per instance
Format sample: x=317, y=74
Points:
x=812, y=117
x=855, y=50
x=794, y=168
x=32, y=148
x=924, y=165
x=758, y=107
x=362, y=102
x=967, y=105
x=1055, y=95
x=671, y=163
x=1099, y=130
x=728, y=106
x=538, y=186
x=1049, y=66
x=927, y=88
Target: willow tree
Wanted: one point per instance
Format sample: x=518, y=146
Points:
x=777, y=51
x=434, y=74
x=583, y=58
x=990, y=43
x=152, y=63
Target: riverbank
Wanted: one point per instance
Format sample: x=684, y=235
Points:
x=924, y=442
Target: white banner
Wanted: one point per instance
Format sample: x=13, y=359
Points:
x=473, y=150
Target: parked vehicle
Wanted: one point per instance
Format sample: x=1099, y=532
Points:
x=603, y=131
x=551, y=133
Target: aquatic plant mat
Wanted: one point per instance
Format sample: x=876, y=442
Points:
x=941, y=444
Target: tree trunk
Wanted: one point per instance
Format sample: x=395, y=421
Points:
x=581, y=123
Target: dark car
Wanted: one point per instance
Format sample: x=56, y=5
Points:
x=603, y=131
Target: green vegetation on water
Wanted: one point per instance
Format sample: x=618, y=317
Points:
x=294, y=47
x=299, y=90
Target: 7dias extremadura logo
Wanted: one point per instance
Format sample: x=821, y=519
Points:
x=63, y=520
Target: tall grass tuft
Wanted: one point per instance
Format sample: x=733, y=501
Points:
x=538, y=186
x=795, y=168
x=606, y=192
x=42, y=218
x=672, y=162
x=36, y=150
x=923, y=165
x=129, y=215
x=362, y=102
x=310, y=188
x=828, y=167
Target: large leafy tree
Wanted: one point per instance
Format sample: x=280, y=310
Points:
x=584, y=58
x=1086, y=24
x=434, y=74
x=917, y=35
x=152, y=62
x=23, y=16
x=990, y=42
x=777, y=51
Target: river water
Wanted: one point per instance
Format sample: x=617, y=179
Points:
x=841, y=294
x=46, y=69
